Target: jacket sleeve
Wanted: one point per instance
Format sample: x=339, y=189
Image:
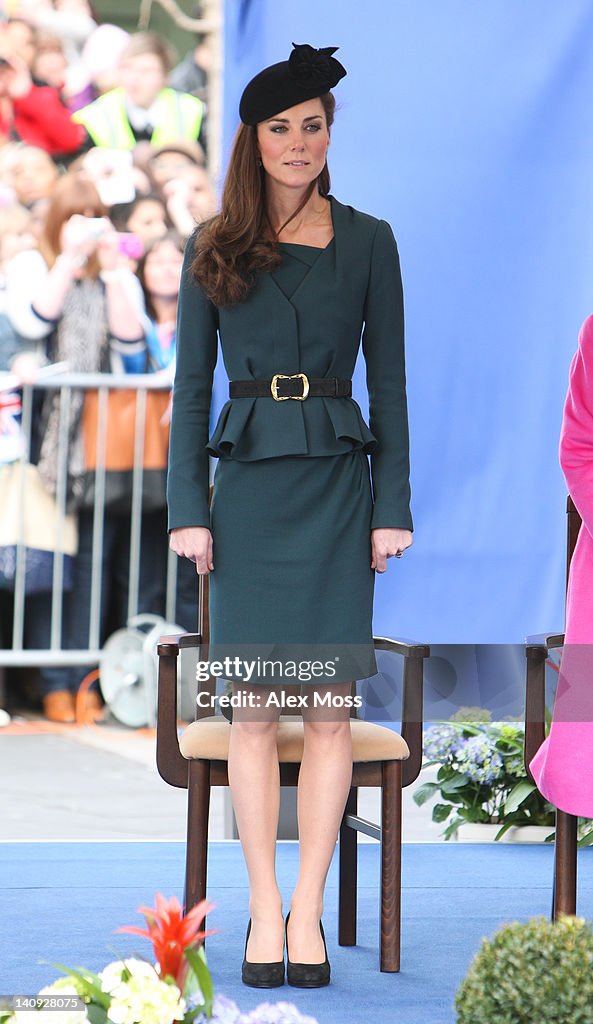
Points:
x=25, y=274
x=188, y=479
x=383, y=349
x=576, y=434
x=42, y=120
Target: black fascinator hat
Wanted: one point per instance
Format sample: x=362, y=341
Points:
x=307, y=73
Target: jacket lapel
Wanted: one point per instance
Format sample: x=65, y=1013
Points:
x=319, y=265
x=286, y=355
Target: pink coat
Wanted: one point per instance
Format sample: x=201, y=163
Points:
x=563, y=766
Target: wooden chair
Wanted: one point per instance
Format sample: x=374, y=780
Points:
x=564, y=898
x=381, y=757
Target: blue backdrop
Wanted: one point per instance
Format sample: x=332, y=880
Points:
x=468, y=127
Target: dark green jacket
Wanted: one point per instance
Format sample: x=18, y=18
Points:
x=354, y=281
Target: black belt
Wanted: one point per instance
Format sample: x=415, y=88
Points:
x=292, y=385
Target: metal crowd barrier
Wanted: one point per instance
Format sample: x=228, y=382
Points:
x=66, y=382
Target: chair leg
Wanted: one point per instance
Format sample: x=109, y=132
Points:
x=391, y=875
x=565, y=865
x=198, y=807
x=348, y=874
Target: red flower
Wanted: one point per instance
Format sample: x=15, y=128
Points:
x=172, y=932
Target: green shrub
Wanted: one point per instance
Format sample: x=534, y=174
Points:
x=537, y=972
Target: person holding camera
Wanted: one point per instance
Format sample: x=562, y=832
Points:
x=76, y=303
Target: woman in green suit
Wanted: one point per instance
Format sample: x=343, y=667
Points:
x=290, y=278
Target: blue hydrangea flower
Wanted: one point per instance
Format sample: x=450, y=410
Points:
x=224, y=1011
x=480, y=760
x=441, y=742
x=276, y=1013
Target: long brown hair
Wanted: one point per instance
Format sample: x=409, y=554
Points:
x=236, y=243
x=71, y=194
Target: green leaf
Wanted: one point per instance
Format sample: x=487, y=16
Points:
x=457, y=782
x=441, y=811
x=518, y=794
x=477, y=815
x=469, y=729
x=197, y=961
x=507, y=825
x=452, y=827
x=192, y=985
x=424, y=792
x=92, y=989
x=96, y=1014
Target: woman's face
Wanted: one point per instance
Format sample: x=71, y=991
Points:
x=162, y=271
x=142, y=78
x=21, y=40
x=168, y=165
x=148, y=220
x=14, y=242
x=201, y=200
x=293, y=144
x=36, y=175
x=50, y=66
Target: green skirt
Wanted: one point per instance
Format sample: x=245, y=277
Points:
x=292, y=579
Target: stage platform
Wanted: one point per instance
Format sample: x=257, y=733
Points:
x=63, y=901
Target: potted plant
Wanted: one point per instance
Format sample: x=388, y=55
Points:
x=481, y=778
x=536, y=971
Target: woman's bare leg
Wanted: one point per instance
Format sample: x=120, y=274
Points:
x=254, y=780
x=324, y=783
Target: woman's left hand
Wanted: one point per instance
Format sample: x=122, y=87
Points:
x=385, y=543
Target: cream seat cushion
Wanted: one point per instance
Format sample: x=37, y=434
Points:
x=209, y=738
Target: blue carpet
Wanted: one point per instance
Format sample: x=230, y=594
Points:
x=62, y=902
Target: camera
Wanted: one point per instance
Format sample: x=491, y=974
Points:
x=95, y=227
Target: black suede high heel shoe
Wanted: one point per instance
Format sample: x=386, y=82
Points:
x=307, y=975
x=264, y=975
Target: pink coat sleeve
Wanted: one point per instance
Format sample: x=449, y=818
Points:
x=576, y=435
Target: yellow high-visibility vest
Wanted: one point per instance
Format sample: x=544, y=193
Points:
x=178, y=115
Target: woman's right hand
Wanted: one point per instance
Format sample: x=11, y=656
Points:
x=195, y=543
x=75, y=238
x=26, y=366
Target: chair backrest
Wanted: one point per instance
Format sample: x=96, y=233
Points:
x=537, y=656
x=572, y=531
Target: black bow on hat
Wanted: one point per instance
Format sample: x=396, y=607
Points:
x=306, y=74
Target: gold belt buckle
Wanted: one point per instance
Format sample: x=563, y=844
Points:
x=288, y=376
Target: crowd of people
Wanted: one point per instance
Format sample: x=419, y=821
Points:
x=103, y=177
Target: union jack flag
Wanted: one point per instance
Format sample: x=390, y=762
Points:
x=12, y=442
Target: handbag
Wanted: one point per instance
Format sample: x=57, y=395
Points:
x=39, y=529
x=120, y=445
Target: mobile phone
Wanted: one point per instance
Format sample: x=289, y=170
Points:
x=130, y=245
x=114, y=176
